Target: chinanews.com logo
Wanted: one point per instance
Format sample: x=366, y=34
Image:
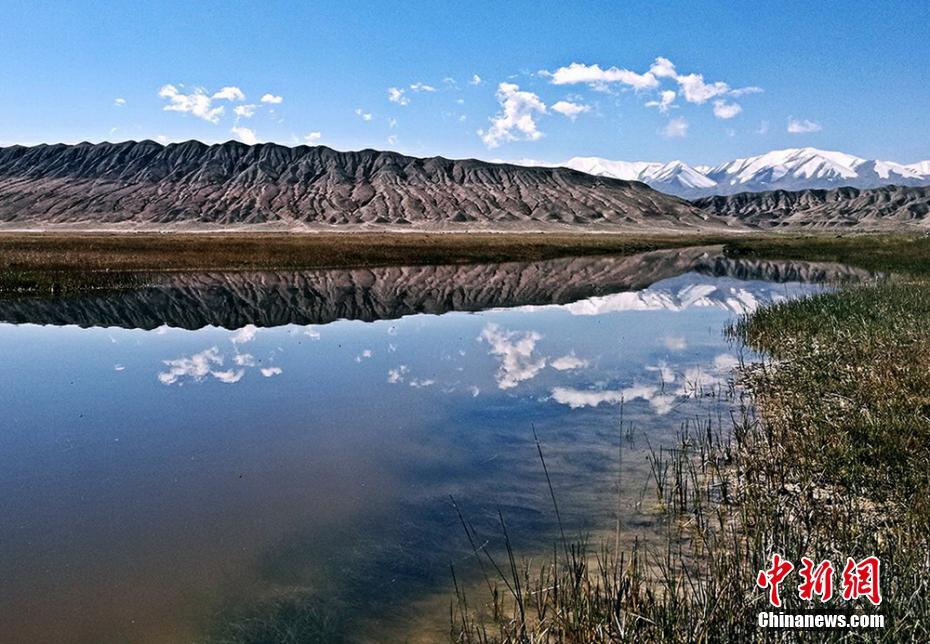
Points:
x=859, y=580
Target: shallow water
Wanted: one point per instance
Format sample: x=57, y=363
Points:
x=161, y=475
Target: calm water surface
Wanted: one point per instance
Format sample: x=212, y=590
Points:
x=161, y=475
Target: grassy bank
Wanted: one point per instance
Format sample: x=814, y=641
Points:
x=831, y=460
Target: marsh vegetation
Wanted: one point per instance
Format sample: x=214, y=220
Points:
x=827, y=456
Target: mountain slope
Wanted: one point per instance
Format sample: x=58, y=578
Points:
x=193, y=185
x=885, y=208
x=791, y=169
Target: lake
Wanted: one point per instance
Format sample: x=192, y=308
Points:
x=184, y=455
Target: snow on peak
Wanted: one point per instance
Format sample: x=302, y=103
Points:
x=788, y=169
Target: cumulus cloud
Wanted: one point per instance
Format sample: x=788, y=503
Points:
x=268, y=372
x=693, y=88
x=663, y=68
x=244, y=335
x=198, y=367
x=515, y=351
x=599, y=78
x=724, y=110
x=362, y=114
x=475, y=80
x=666, y=101
x=119, y=101
x=422, y=87
x=313, y=137
x=245, y=111
x=569, y=109
x=577, y=398
x=397, y=375
x=198, y=103
x=802, y=126
x=245, y=135
x=229, y=94
x=696, y=90
x=570, y=361
x=675, y=129
x=396, y=95
x=244, y=359
x=516, y=120
x=272, y=99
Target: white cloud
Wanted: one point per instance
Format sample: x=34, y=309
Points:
x=763, y=128
x=571, y=361
x=244, y=359
x=230, y=376
x=362, y=114
x=311, y=332
x=197, y=103
x=422, y=87
x=419, y=384
x=245, y=111
x=396, y=95
x=229, y=94
x=313, y=137
x=666, y=101
x=163, y=139
x=245, y=135
x=244, y=335
x=663, y=68
x=695, y=90
x=599, y=78
x=665, y=372
x=397, y=375
x=675, y=129
x=272, y=99
x=576, y=398
x=198, y=367
x=268, y=372
x=475, y=80
x=392, y=139
x=516, y=120
x=802, y=126
x=675, y=343
x=515, y=350
x=119, y=101
x=569, y=109
x=724, y=110
x=741, y=91
x=364, y=355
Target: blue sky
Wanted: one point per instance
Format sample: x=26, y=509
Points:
x=852, y=76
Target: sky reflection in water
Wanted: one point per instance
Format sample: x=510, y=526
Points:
x=151, y=479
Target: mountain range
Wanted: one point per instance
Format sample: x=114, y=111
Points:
x=791, y=169
x=146, y=185
x=233, y=186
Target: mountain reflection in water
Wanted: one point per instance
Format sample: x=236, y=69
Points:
x=233, y=300
x=160, y=475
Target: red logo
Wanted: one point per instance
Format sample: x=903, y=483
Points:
x=859, y=579
x=773, y=576
x=817, y=581
x=862, y=580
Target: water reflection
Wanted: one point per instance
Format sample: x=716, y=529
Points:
x=156, y=482
x=269, y=299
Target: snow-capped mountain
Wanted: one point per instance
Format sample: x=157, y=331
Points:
x=791, y=169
